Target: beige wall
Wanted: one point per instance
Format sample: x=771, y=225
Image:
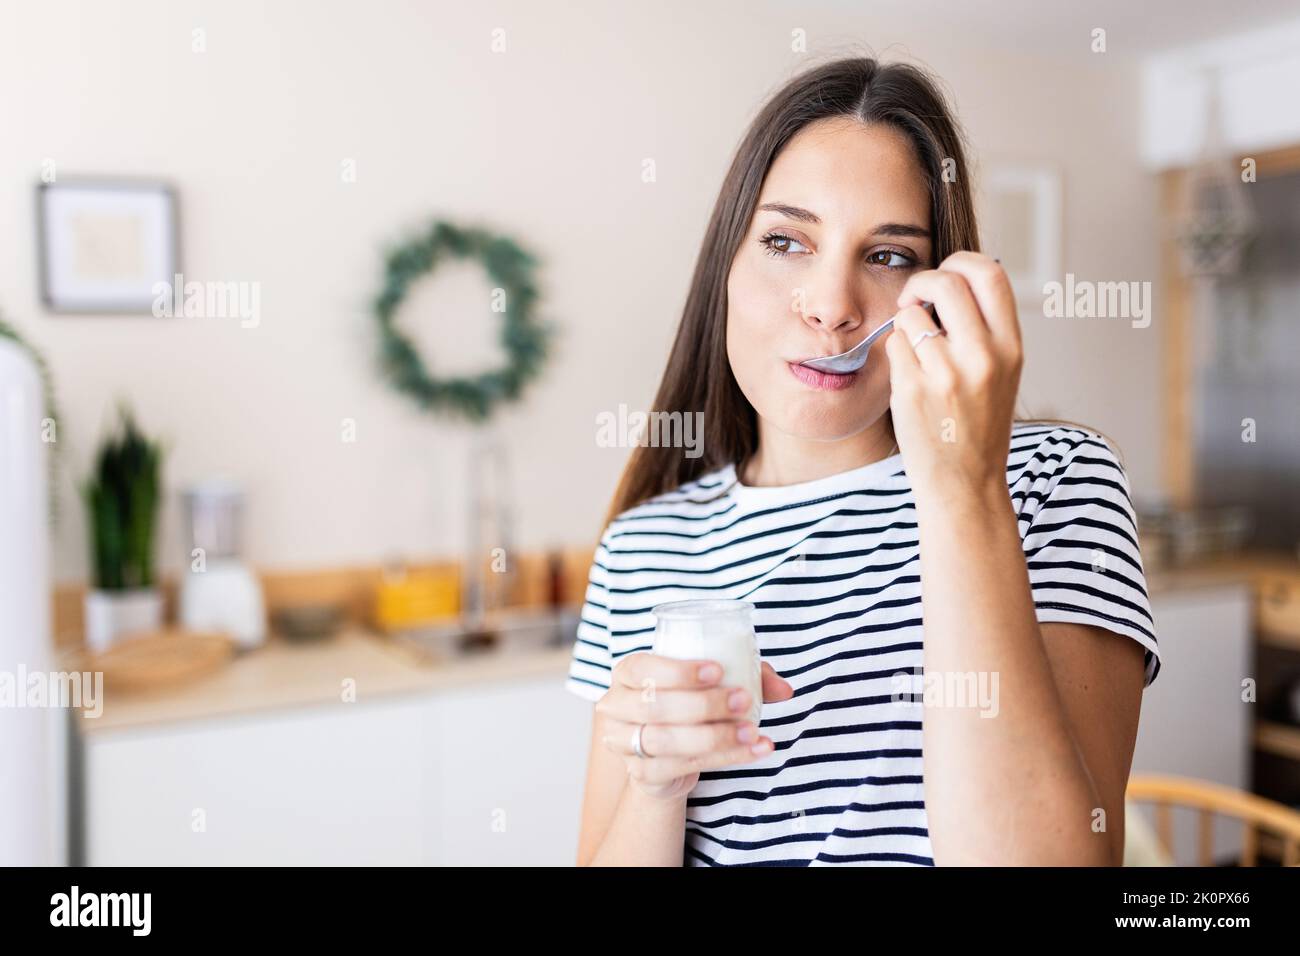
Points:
x=544, y=141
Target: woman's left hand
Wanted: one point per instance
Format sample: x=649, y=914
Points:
x=953, y=396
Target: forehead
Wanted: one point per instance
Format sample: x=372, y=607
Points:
x=843, y=169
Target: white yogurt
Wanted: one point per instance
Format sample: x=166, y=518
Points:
x=721, y=631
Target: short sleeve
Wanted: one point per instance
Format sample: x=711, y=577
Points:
x=1081, y=545
x=590, y=667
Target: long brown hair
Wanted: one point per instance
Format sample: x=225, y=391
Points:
x=698, y=376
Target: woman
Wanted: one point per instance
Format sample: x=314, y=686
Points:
x=826, y=501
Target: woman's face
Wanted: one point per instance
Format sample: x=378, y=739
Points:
x=843, y=219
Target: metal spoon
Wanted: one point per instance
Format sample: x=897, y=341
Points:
x=856, y=357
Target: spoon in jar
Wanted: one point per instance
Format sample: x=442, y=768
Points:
x=856, y=357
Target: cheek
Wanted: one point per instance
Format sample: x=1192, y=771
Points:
x=756, y=296
x=753, y=324
x=876, y=385
x=745, y=353
x=760, y=310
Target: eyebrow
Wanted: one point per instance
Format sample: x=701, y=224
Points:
x=886, y=229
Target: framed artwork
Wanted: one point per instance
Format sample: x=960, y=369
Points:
x=1020, y=223
x=104, y=244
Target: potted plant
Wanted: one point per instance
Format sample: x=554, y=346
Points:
x=122, y=497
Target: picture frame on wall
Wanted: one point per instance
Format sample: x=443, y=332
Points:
x=1020, y=223
x=104, y=244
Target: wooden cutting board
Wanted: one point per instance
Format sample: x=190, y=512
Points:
x=161, y=659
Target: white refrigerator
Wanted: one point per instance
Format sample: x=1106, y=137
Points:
x=33, y=784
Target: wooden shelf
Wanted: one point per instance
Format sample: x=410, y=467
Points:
x=1282, y=740
x=1287, y=642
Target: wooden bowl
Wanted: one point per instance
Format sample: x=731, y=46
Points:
x=161, y=659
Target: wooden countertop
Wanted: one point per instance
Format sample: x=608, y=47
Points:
x=284, y=674
x=1253, y=568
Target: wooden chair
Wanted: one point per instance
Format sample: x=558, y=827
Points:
x=1259, y=815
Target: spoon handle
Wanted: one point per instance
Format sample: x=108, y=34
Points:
x=889, y=324
x=880, y=331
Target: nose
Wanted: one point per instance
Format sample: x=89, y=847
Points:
x=829, y=302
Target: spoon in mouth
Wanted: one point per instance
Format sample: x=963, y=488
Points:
x=856, y=357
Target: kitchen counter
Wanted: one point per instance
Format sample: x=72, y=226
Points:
x=261, y=764
x=1255, y=568
x=283, y=674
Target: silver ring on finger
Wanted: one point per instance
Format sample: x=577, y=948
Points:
x=636, y=741
x=925, y=335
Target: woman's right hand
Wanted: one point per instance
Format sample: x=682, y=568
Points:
x=693, y=722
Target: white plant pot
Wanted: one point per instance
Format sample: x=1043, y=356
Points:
x=113, y=615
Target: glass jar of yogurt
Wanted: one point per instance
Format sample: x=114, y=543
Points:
x=721, y=631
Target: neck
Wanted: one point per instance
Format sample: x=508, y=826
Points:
x=784, y=459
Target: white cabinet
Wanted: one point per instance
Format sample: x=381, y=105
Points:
x=1251, y=71
x=485, y=774
x=510, y=761
x=1194, y=722
x=338, y=784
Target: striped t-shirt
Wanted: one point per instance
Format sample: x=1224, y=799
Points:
x=832, y=569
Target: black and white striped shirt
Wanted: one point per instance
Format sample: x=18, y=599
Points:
x=832, y=568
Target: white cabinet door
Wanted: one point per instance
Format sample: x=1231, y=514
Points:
x=510, y=760
x=1194, y=723
x=339, y=784
x=491, y=774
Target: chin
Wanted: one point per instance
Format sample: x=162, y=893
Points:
x=819, y=417
x=805, y=413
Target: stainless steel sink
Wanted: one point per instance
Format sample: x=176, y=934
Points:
x=503, y=632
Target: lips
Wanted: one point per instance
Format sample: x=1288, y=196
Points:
x=822, y=381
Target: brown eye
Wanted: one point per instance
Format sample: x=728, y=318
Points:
x=891, y=259
x=778, y=244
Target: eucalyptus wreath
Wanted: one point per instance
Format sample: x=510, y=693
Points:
x=524, y=339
